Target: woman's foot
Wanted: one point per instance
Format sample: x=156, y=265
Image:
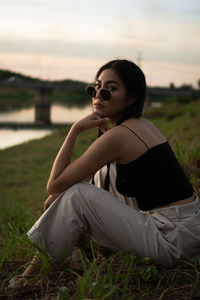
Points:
x=22, y=280
x=18, y=281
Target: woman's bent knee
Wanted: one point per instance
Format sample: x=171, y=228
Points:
x=77, y=193
x=76, y=189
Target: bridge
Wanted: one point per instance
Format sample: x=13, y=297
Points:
x=165, y=92
x=44, y=90
x=43, y=95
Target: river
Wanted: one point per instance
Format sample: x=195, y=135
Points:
x=59, y=114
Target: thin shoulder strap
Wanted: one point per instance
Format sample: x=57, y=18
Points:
x=136, y=135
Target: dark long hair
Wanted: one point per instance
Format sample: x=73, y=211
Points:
x=135, y=84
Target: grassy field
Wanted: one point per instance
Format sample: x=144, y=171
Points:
x=101, y=274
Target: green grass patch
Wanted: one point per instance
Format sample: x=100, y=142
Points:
x=101, y=273
x=16, y=98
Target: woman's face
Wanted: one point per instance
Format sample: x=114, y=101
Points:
x=114, y=107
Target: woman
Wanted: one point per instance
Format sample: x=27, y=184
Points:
x=133, y=161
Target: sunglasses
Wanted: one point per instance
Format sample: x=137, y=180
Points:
x=104, y=93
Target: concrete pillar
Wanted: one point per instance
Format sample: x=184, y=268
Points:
x=43, y=105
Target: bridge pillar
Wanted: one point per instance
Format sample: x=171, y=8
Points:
x=43, y=105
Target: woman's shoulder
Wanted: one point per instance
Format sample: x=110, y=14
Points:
x=131, y=129
x=145, y=130
x=137, y=123
x=122, y=131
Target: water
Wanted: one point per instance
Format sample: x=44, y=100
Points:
x=59, y=114
x=10, y=137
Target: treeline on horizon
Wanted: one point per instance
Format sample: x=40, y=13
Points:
x=6, y=74
x=20, y=97
x=16, y=98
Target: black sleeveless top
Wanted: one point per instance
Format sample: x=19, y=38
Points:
x=155, y=178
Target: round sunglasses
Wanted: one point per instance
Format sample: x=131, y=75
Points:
x=104, y=93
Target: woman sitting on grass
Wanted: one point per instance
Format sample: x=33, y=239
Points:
x=142, y=201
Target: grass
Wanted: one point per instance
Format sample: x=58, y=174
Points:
x=101, y=273
x=15, y=98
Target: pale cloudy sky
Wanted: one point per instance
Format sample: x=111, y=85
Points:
x=57, y=39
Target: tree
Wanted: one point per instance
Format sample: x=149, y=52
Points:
x=172, y=86
x=198, y=84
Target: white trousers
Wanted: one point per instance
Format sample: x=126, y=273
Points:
x=114, y=221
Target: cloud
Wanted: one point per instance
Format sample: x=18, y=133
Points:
x=152, y=49
x=50, y=32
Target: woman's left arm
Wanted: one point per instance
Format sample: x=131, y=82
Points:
x=65, y=174
x=63, y=157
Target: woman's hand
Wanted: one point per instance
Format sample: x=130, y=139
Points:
x=49, y=201
x=92, y=120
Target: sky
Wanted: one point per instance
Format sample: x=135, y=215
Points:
x=71, y=39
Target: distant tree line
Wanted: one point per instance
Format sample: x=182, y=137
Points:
x=80, y=97
x=20, y=97
x=6, y=74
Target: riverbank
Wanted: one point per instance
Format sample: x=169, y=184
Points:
x=24, y=171
x=25, y=125
x=19, y=126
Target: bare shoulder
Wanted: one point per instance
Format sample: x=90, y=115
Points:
x=131, y=139
x=113, y=143
x=115, y=135
x=146, y=130
x=124, y=144
x=156, y=133
x=139, y=123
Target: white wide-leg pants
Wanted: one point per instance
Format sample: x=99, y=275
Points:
x=114, y=221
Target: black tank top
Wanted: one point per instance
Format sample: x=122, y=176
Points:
x=155, y=178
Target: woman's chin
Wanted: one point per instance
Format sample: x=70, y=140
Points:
x=101, y=113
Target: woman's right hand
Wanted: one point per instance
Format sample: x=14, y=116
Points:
x=49, y=201
x=90, y=121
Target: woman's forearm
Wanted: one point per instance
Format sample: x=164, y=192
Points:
x=63, y=157
x=58, y=180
